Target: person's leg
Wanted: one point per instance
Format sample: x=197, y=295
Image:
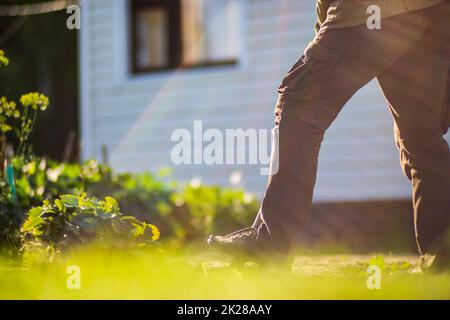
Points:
x=417, y=89
x=335, y=65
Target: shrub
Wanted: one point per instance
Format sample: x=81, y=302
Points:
x=71, y=219
x=17, y=121
x=211, y=209
x=38, y=179
x=34, y=185
x=184, y=213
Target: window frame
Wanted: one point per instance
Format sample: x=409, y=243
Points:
x=173, y=7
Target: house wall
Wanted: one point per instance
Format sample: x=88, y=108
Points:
x=134, y=116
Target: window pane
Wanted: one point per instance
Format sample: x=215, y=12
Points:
x=222, y=27
x=152, y=38
x=210, y=30
x=193, y=31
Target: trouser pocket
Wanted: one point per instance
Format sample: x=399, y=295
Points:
x=305, y=77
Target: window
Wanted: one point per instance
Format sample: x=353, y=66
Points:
x=170, y=34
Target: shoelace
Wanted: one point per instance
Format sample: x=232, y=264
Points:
x=243, y=234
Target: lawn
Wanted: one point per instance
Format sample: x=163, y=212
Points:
x=204, y=274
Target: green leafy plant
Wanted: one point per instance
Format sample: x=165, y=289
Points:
x=4, y=61
x=18, y=119
x=201, y=210
x=184, y=213
x=38, y=179
x=8, y=110
x=16, y=124
x=32, y=103
x=78, y=219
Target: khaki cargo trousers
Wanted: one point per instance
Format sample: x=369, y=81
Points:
x=410, y=58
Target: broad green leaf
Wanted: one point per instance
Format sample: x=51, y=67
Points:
x=111, y=205
x=59, y=204
x=138, y=230
x=69, y=200
x=33, y=221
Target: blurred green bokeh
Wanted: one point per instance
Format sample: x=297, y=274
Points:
x=144, y=274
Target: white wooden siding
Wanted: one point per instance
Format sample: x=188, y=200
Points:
x=134, y=116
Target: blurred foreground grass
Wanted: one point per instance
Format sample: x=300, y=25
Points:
x=201, y=274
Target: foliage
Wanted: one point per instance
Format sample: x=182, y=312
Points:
x=16, y=124
x=17, y=121
x=10, y=113
x=213, y=209
x=38, y=179
x=10, y=220
x=32, y=103
x=4, y=61
x=182, y=212
x=48, y=61
x=72, y=219
x=8, y=110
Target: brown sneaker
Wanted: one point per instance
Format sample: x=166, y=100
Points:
x=241, y=241
x=253, y=245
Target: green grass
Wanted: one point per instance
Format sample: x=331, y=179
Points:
x=204, y=274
